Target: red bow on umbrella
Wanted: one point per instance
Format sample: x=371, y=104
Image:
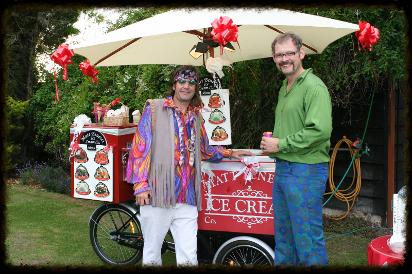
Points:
x=367, y=35
x=224, y=31
x=62, y=57
x=89, y=70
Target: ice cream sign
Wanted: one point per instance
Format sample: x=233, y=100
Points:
x=232, y=198
x=216, y=114
x=93, y=168
x=92, y=138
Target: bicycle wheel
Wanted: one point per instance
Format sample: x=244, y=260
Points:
x=116, y=235
x=243, y=252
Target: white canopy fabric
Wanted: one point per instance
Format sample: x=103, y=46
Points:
x=162, y=39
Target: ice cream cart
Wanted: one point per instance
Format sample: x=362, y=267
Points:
x=235, y=225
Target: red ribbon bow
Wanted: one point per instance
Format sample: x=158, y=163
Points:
x=115, y=101
x=89, y=70
x=62, y=57
x=224, y=31
x=74, y=146
x=367, y=35
x=250, y=169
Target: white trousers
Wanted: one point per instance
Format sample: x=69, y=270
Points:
x=182, y=221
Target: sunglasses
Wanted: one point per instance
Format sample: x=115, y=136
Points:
x=183, y=81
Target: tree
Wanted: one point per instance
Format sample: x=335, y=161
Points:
x=29, y=32
x=349, y=74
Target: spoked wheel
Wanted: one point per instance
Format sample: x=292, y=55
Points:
x=242, y=253
x=116, y=235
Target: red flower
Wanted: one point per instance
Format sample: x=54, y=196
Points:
x=367, y=35
x=89, y=70
x=62, y=57
x=115, y=101
x=224, y=31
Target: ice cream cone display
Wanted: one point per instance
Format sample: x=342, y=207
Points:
x=219, y=134
x=101, y=157
x=83, y=188
x=216, y=117
x=80, y=156
x=101, y=174
x=101, y=190
x=81, y=173
x=215, y=101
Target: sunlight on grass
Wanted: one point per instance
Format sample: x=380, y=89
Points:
x=45, y=228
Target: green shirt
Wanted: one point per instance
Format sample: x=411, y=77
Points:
x=303, y=120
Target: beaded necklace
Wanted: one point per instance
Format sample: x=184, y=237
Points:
x=185, y=143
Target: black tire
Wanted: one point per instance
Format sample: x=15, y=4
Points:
x=243, y=253
x=116, y=235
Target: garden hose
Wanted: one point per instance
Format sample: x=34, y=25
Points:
x=347, y=195
x=350, y=193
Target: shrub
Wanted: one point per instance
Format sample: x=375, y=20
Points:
x=54, y=179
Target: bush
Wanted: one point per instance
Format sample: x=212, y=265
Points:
x=54, y=179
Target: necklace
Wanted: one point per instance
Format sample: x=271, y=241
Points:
x=186, y=144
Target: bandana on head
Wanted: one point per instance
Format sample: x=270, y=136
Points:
x=186, y=75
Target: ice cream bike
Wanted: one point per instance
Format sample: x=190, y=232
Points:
x=236, y=223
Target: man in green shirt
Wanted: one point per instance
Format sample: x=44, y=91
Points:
x=300, y=144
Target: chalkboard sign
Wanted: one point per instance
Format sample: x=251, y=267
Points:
x=92, y=138
x=207, y=84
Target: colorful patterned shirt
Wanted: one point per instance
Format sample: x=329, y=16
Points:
x=138, y=164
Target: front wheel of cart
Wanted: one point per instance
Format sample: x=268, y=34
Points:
x=116, y=235
x=242, y=251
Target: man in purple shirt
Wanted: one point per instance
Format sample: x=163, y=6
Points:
x=164, y=166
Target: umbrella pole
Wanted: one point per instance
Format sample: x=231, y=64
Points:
x=116, y=51
x=279, y=31
x=211, y=52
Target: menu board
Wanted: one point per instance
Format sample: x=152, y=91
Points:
x=216, y=113
x=93, y=168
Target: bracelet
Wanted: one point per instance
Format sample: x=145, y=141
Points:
x=228, y=153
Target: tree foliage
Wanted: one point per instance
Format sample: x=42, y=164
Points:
x=350, y=75
x=28, y=32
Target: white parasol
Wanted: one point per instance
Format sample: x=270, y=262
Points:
x=168, y=37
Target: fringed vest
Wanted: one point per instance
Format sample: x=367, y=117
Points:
x=162, y=166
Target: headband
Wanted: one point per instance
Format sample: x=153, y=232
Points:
x=186, y=75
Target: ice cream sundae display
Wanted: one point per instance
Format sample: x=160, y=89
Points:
x=101, y=157
x=219, y=134
x=216, y=117
x=81, y=173
x=80, y=156
x=101, y=174
x=101, y=190
x=82, y=188
x=215, y=101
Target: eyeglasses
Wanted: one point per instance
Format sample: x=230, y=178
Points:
x=191, y=82
x=285, y=54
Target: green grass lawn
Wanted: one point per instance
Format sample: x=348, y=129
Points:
x=50, y=229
